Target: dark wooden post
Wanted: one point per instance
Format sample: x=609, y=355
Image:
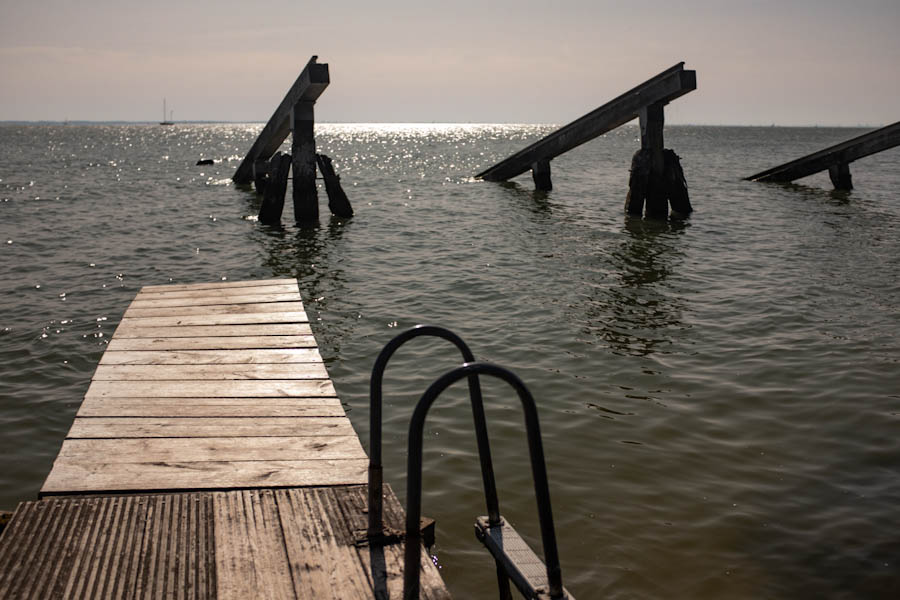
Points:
x=652, y=120
x=260, y=175
x=676, y=186
x=273, y=200
x=840, y=176
x=540, y=172
x=306, y=198
x=337, y=199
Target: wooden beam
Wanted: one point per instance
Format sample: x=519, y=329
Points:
x=845, y=152
x=663, y=88
x=309, y=86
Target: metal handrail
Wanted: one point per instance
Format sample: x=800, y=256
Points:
x=413, y=548
x=376, y=526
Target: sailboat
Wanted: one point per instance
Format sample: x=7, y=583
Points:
x=164, y=121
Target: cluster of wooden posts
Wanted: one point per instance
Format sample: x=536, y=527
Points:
x=656, y=183
x=268, y=169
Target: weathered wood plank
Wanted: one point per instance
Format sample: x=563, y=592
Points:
x=211, y=407
x=845, y=152
x=69, y=478
x=205, y=372
x=127, y=329
x=196, y=427
x=664, y=87
x=215, y=300
x=211, y=449
x=216, y=285
x=224, y=293
x=214, y=309
x=211, y=357
x=324, y=562
x=220, y=319
x=270, y=388
x=250, y=554
x=117, y=344
x=309, y=86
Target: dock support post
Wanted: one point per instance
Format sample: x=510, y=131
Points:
x=306, y=199
x=676, y=185
x=840, y=176
x=338, y=203
x=651, y=121
x=273, y=199
x=540, y=172
x=260, y=175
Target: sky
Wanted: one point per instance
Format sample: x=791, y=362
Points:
x=800, y=62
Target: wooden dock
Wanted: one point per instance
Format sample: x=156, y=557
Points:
x=210, y=458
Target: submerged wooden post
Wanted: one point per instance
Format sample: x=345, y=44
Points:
x=656, y=174
x=337, y=199
x=540, y=173
x=306, y=197
x=260, y=174
x=840, y=176
x=273, y=200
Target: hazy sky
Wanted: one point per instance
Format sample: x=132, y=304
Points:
x=786, y=62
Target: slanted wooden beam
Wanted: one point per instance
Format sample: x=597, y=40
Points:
x=309, y=86
x=835, y=156
x=661, y=89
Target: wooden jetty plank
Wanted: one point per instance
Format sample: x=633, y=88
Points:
x=221, y=319
x=225, y=293
x=127, y=329
x=213, y=343
x=250, y=554
x=211, y=407
x=664, y=87
x=212, y=389
x=212, y=449
x=214, y=309
x=132, y=427
x=843, y=153
x=204, y=372
x=309, y=86
x=211, y=357
x=214, y=300
x=90, y=477
x=216, y=285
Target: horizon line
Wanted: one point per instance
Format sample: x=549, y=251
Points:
x=472, y=123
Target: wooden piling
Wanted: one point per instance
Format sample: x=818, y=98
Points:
x=260, y=174
x=840, y=176
x=540, y=173
x=676, y=185
x=273, y=199
x=338, y=203
x=306, y=197
x=652, y=120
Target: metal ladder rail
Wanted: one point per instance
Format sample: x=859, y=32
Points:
x=375, y=420
x=375, y=532
x=412, y=551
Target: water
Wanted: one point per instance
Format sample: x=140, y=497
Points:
x=719, y=398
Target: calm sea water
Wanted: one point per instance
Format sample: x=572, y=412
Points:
x=720, y=398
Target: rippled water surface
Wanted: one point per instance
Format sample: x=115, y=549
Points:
x=720, y=398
